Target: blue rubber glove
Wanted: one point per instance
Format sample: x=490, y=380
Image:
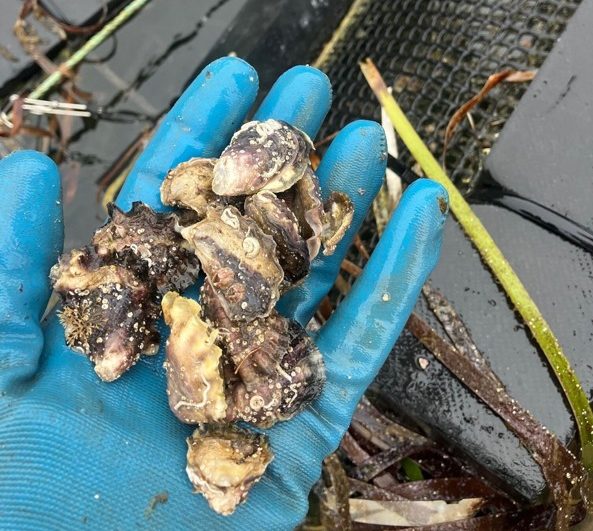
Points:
x=75, y=450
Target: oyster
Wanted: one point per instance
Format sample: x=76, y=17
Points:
x=276, y=369
x=112, y=288
x=304, y=199
x=239, y=260
x=275, y=218
x=189, y=185
x=194, y=383
x=270, y=155
x=147, y=243
x=338, y=215
x=223, y=462
x=108, y=312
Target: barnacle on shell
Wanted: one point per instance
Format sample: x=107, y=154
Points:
x=147, y=243
x=189, y=185
x=338, y=215
x=275, y=218
x=108, y=313
x=239, y=260
x=223, y=463
x=194, y=382
x=270, y=155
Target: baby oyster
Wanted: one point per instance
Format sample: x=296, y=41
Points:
x=276, y=368
x=189, y=185
x=239, y=260
x=223, y=463
x=270, y=155
x=277, y=220
x=338, y=215
x=108, y=313
x=147, y=243
x=194, y=383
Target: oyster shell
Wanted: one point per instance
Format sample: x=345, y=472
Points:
x=337, y=218
x=304, y=199
x=270, y=155
x=276, y=369
x=194, y=383
x=147, y=243
x=108, y=312
x=275, y=218
x=223, y=463
x=239, y=260
x=189, y=185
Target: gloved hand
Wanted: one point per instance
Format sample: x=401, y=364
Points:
x=75, y=450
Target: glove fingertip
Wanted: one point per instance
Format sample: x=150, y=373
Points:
x=301, y=96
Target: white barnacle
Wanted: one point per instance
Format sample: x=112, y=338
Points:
x=251, y=247
x=230, y=218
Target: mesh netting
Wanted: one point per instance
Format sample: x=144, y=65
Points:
x=438, y=54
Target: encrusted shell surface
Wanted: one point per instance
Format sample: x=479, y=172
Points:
x=189, y=185
x=147, y=243
x=239, y=260
x=339, y=212
x=108, y=313
x=270, y=155
x=275, y=218
x=304, y=199
x=194, y=383
x=223, y=463
x=276, y=369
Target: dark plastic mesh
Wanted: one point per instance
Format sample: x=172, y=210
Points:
x=438, y=54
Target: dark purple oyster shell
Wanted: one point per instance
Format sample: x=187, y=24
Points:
x=147, y=243
x=275, y=218
x=270, y=155
x=274, y=370
x=108, y=312
x=239, y=260
x=223, y=463
x=304, y=199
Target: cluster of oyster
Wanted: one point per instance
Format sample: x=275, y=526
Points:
x=254, y=220
x=111, y=289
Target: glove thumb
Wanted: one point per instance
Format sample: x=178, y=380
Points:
x=31, y=238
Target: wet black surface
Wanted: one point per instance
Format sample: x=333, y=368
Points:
x=15, y=63
x=557, y=274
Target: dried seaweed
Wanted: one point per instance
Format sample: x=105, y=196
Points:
x=335, y=509
x=508, y=75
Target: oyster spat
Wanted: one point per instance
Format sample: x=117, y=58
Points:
x=223, y=463
x=304, y=200
x=147, y=243
x=108, y=312
x=274, y=369
x=194, y=383
x=239, y=260
x=189, y=185
x=275, y=218
x=337, y=218
x=270, y=155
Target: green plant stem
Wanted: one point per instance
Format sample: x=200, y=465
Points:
x=54, y=78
